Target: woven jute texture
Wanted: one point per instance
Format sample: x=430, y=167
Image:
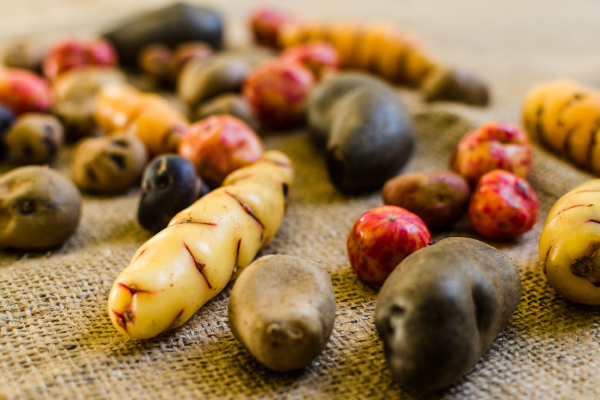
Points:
x=56, y=340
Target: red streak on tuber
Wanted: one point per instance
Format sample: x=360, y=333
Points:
x=546, y=259
x=139, y=255
x=187, y=221
x=199, y=265
x=577, y=205
x=121, y=320
x=593, y=220
x=133, y=289
x=248, y=210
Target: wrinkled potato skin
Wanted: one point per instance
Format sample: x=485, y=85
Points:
x=569, y=243
x=35, y=138
x=438, y=198
x=109, y=164
x=205, y=246
x=39, y=208
x=441, y=309
x=282, y=309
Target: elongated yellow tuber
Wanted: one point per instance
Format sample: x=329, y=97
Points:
x=188, y=263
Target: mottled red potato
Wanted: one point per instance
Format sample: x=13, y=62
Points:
x=73, y=54
x=320, y=57
x=495, y=145
x=266, y=24
x=277, y=92
x=503, y=205
x=438, y=198
x=23, y=91
x=381, y=238
x=218, y=145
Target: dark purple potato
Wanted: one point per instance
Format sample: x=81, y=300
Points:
x=365, y=127
x=169, y=185
x=441, y=309
x=170, y=26
x=6, y=120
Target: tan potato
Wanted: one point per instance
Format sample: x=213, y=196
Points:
x=109, y=164
x=35, y=138
x=282, y=309
x=188, y=263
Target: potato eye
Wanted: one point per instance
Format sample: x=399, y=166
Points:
x=27, y=207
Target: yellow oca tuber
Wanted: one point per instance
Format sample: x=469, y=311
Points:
x=570, y=243
x=204, y=246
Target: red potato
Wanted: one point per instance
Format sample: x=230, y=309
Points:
x=218, y=145
x=23, y=91
x=503, y=205
x=277, y=92
x=496, y=145
x=381, y=238
x=266, y=24
x=438, y=198
x=320, y=57
x=73, y=54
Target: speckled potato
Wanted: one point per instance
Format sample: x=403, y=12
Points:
x=438, y=198
x=365, y=127
x=39, y=208
x=188, y=263
x=441, y=309
x=35, y=138
x=569, y=243
x=282, y=309
x=109, y=164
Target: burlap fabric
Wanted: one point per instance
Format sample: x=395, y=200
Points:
x=56, y=340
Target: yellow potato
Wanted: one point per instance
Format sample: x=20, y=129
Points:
x=569, y=244
x=185, y=265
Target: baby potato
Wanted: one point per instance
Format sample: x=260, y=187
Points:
x=109, y=164
x=438, y=197
x=35, y=138
x=441, y=308
x=39, y=208
x=231, y=104
x=282, y=309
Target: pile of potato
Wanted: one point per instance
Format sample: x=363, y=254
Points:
x=214, y=196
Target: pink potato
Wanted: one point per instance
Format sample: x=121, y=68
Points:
x=73, y=54
x=381, y=238
x=438, y=198
x=277, y=92
x=496, y=145
x=219, y=145
x=503, y=205
x=320, y=57
x=266, y=24
x=23, y=91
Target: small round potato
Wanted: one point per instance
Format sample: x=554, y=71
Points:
x=282, y=309
x=230, y=104
x=35, y=138
x=109, y=164
x=39, y=208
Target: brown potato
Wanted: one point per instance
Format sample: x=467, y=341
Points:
x=438, y=197
x=39, y=208
x=109, y=164
x=35, y=138
x=230, y=104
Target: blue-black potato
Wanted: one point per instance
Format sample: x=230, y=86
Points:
x=441, y=308
x=170, y=26
x=367, y=131
x=169, y=185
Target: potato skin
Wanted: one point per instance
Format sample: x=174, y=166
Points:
x=367, y=131
x=442, y=307
x=282, y=309
x=569, y=243
x=438, y=197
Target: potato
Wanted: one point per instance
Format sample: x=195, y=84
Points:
x=188, y=263
x=35, y=138
x=229, y=103
x=442, y=307
x=282, y=309
x=438, y=198
x=170, y=26
x=109, y=164
x=39, y=208
x=367, y=130
x=569, y=243
x=455, y=85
